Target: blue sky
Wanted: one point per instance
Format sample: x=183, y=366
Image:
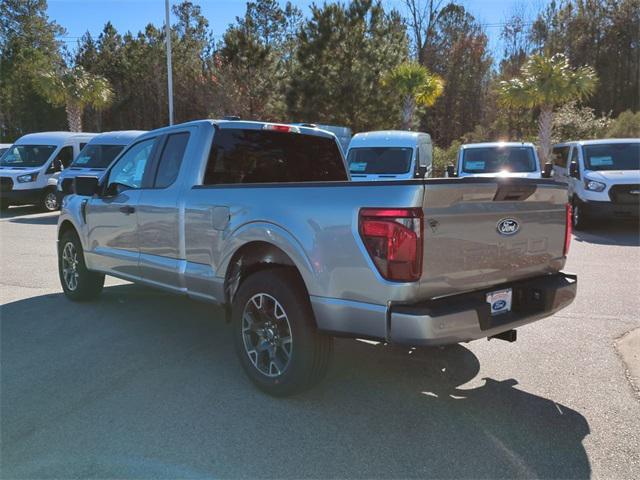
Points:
x=79, y=16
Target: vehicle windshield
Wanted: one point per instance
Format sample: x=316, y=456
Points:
x=26, y=155
x=97, y=156
x=498, y=159
x=612, y=156
x=379, y=160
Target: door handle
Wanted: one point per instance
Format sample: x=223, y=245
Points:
x=127, y=210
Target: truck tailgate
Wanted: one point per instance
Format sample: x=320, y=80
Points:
x=480, y=232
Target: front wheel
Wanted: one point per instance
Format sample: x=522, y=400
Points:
x=275, y=336
x=49, y=201
x=578, y=215
x=79, y=283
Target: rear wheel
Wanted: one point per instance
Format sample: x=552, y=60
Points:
x=579, y=219
x=78, y=283
x=275, y=336
x=49, y=202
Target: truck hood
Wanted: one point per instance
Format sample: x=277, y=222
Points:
x=614, y=176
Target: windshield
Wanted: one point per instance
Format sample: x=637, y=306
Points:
x=97, y=156
x=383, y=160
x=612, y=156
x=498, y=159
x=26, y=155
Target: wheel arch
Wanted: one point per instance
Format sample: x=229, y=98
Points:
x=252, y=257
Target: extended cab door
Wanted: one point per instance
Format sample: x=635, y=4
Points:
x=158, y=213
x=112, y=218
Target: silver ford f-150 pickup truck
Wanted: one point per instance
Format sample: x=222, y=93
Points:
x=262, y=218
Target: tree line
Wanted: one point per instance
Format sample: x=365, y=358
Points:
x=426, y=66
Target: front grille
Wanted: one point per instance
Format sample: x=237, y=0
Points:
x=6, y=184
x=622, y=194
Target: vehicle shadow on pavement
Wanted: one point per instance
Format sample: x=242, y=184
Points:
x=48, y=219
x=144, y=384
x=620, y=234
x=13, y=212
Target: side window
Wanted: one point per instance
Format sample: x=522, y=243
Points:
x=561, y=156
x=574, y=156
x=128, y=171
x=171, y=159
x=65, y=157
x=82, y=145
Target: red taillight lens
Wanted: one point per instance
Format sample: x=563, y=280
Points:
x=567, y=230
x=393, y=239
x=276, y=127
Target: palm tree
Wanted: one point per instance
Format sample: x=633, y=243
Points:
x=545, y=83
x=417, y=86
x=75, y=88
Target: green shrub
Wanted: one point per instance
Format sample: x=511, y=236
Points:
x=443, y=157
x=627, y=125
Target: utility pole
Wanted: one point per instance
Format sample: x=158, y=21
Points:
x=167, y=29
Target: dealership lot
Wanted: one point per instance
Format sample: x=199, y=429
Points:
x=143, y=384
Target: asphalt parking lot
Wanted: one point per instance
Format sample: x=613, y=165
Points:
x=142, y=384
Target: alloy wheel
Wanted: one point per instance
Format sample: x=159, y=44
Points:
x=70, y=266
x=266, y=334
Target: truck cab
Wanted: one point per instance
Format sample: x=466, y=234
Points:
x=29, y=169
x=95, y=158
x=602, y=177
x=490, y=159
x=390, y=155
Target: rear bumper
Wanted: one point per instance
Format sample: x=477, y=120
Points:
x=607, y=210
x=454, y=319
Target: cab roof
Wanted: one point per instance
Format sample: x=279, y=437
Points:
x=52, y=138
x=240, y=124
x=599, y=141
x=497, y=144
x=122, y=137
x=384, y=138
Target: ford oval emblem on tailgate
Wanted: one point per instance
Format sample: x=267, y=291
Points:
x=508, y=226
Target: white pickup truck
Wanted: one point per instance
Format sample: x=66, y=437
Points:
x=262, y=219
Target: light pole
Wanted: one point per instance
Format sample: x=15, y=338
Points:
x=167, y=29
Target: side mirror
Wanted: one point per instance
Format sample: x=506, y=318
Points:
x=546, y=171
x=86, y=186
x=573, y=170
x=57, y=165
x=451, y=172
x=422, y=171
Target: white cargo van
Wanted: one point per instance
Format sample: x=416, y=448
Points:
x=603, y=178
x=4, y=147
x=490, y=159
x=95, y=158
x=30, y=167
x=390, y=155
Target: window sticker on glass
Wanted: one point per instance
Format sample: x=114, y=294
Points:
x=474, y=165
x=82, y=160
x=601, y=161
x=358, y=166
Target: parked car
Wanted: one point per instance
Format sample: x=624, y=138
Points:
x=603, y=178
x=262, y=219
x=4, y=147
x=95, y=158
x=30, y=167
x=506, y=159
x=390, y=155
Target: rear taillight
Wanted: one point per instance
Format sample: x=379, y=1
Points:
x=393, y=239
x=567, y=230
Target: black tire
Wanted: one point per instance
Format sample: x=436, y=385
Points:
x=88, y=285
x=309, y=351
x=579, y=218
x=49, y=202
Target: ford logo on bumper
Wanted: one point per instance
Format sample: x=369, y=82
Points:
x=508, y=226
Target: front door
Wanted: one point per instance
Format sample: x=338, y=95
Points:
x=158, y=214
x=112, y=219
